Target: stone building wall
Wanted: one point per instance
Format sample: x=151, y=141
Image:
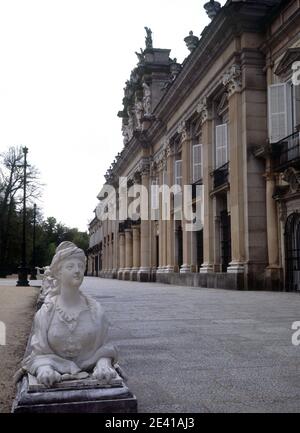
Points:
x=208, y=118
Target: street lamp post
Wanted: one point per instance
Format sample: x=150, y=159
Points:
x=23, y=270
x=33, y=270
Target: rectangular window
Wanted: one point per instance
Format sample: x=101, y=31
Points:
x=280, y=111
x=178, y=172
x=296, y=107
x=154, y=194
x=221, y=145
x=197, y=162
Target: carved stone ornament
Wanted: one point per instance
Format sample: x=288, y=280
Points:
x=160, y=160
x=202, y=109
x=169, y=150
x=70, y=329
x=139, y=112
x=148, y=39
x=144, y=167
x=232, y=80
x=147, y=99
x=292, y=177
x=182, y=130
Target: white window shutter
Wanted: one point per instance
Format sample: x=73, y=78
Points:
x=178, y=172
x=154, y=194
x=197, y=162
x=165, y=177
x=221, y=145
x=280, y=111
x=296, y=107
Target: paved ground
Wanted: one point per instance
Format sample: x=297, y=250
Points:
x=184, y=349
x=17, y=306
x=204, y=350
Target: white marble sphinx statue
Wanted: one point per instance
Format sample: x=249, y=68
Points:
x=70, y=329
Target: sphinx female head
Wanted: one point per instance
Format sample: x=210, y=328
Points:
x=68, y=265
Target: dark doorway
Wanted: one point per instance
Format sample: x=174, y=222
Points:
x=180, y=250
x=292, y=252
x=96, y=266
x=199, y=248
x=225, y=240
x=157, y=251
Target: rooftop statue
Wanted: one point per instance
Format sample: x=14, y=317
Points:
x=149, y=42
x=70, y=329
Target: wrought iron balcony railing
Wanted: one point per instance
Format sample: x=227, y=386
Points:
x=286, y=152
x=221, y=175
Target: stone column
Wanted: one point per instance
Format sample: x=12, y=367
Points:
x=136, y=254
x=160, y=228
x=207, y=155
x=121, y=255
x=237, y=165
x=170, y=235
x=115, y=249
x=104, y=254
x=186, y=180
x=144, y=271
x=106, y=246
x=273, y=272
x=110, y=258
x=128, y=254
x=217, y=236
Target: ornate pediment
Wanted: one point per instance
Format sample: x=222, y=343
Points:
x=292, y=55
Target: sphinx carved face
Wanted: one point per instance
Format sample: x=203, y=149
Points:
x=71, y=272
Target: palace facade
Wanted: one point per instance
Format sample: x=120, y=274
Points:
x=226, y=122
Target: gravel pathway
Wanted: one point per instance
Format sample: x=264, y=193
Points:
x=17, y=307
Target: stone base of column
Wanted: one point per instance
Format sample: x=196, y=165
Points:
x=185, y=269
x=206, y=268
x=133, y=274
x=126, y=274
x=114, y=273
x=274, y=278
x=120, y=274
x=160, y=270
x=169, y=269
x=143, y=275
x=236, y=268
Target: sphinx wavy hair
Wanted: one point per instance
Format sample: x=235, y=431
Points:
x=64, y=251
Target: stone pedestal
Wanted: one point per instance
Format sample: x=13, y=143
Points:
x=76, y=397
x=185, y=269
x=128, y=254
x=273, y=278
x=206, y=268
x=134, y=274
x=236, y=268
x=143, y=274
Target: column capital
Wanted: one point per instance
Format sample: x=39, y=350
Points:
x=183, y=131
x=203, y=110
x=144, y=167
x=232, y=80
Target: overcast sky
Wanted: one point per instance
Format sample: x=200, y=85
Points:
x=64, y=64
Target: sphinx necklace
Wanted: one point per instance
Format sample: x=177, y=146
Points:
x=70, y=319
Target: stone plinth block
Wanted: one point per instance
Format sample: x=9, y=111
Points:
x=77, y=396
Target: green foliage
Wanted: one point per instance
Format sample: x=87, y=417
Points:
x=49, y=232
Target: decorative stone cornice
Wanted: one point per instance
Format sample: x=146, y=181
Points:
x=232, y=80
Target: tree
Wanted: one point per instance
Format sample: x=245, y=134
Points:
x=49, y=232
x=11, y=191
